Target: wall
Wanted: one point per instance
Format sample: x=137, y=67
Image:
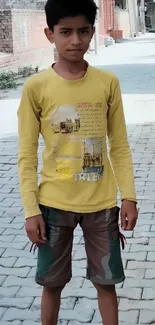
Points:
x=28, y=30
x=122, y=21
x=109, y=15
x=153, y=16
x=107, y=21
x=21, y=4
x=101, y=23
x=6, y=39
x=29, y=44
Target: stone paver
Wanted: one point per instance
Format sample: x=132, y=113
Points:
x=19, y=295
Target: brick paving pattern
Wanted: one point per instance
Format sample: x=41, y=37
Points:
x=20, y=296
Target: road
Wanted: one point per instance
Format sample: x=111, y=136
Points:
x=20, y=297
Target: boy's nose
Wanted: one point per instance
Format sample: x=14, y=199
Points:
x=76, y=39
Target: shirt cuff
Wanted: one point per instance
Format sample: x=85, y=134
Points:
x=33, y=212
x=129, y=199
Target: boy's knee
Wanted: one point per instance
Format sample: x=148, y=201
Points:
x=53, y=290
x=101, y=288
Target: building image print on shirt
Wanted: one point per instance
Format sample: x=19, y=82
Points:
x=93, y=156
x=92, y=165
x=65, y=119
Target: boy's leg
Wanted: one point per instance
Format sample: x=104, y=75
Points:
x=105, y=269
x=50, y=305
x=54, y=261
x=107, y=301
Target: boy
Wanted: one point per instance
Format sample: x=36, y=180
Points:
x=74, y=107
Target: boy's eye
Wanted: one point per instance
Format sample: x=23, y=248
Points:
x=68, y=32
x=65, y=32
x=84, y=32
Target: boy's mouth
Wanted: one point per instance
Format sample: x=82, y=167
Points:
x=75, y=50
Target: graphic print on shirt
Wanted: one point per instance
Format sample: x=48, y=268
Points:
x=78, y=143
x=65, y=120
x=92, y=169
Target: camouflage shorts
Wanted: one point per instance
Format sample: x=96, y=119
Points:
x=102, y=244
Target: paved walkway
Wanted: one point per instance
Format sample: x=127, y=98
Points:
x=20, y=297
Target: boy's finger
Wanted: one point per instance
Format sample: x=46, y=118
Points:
x=123, y=221
x=131, y=223
x=129, y=227
x=34, y=237
x=36, y=240
x=42, y=231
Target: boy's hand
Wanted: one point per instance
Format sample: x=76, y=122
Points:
x=129, y=215
x=35, y=228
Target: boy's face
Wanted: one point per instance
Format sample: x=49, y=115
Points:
x=72, y=37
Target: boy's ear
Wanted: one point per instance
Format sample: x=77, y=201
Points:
x=49, y=35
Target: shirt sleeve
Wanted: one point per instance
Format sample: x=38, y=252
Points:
x=120, y=154
x=28, y=131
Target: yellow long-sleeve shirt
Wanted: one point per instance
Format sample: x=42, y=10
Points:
x=74, y=118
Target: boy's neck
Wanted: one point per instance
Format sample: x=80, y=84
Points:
x=70, y=70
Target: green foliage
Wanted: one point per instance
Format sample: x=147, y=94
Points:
x=9, y=79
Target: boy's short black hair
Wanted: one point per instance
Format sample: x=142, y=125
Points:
x=58, y=9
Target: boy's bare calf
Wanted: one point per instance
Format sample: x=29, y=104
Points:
x=107, y=300
x=50, y=305
x=108, y=305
